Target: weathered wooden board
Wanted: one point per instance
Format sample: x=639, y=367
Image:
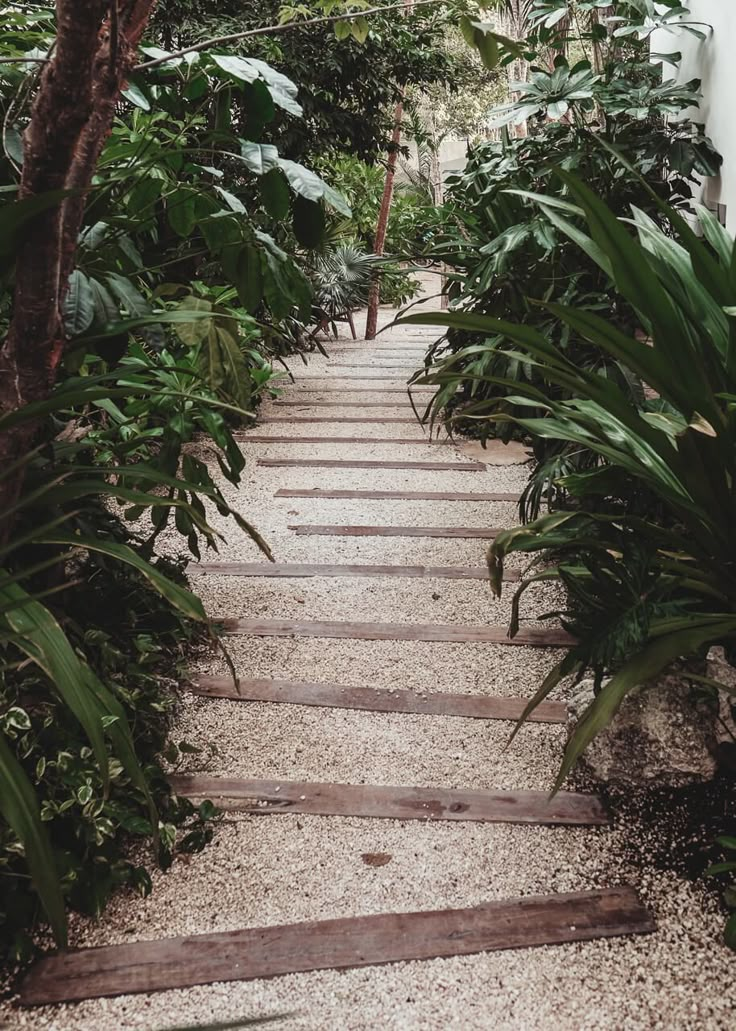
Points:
x=342, y=696
x=316, y=530
x=412, y=344
x=263, y=438
x=388, y=802
x=359, y=631
x=403, y=390
x=358, y=941
x=340, y=404
x=335, y=379
x=385, y=419
x=303, y=569
x=338, y=463
x=392, y=495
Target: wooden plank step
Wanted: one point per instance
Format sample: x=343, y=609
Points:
x=342, y=696
x=263, y=438
x=316, y=530
x=339, y=463
x=389, y=802
x=392, y=495
x=384, y=419
x=336, y=944
x=340, y=404
x=391, y=352
x=336, y=379
x=360, y=631
x=403, y=390
x=303, y=569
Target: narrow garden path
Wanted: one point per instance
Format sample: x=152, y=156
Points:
x=265, y=869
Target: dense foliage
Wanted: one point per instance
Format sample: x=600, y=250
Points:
x=593, y=320
x=188, y=256
x=347, y=86
x=591, y=87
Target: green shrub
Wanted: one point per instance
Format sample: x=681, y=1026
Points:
x=646, y=548
x=508, y=256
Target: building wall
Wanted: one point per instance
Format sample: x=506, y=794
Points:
x=714, y=62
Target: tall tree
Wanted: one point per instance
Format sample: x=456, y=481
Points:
x=70, y=120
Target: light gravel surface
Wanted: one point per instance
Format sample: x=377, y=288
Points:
x=273, y=869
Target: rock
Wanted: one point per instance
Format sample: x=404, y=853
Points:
x=662, y=736
x=495, y=452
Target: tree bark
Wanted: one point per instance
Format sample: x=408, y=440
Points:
x=70, y=121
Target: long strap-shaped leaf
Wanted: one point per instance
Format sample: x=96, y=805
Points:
x=681, y=640
x=39, y=636
x=19, y=806
x=177, y=596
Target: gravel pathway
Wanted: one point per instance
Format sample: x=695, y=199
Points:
x=271, y=870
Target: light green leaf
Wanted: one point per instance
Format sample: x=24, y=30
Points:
x=308, y=184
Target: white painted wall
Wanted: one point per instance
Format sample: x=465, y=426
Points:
x=714, y=62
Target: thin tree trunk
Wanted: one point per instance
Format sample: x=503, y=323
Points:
x=70, y=120
x=383, y=215
x=374, y=298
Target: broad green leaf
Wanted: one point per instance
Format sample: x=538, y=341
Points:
x=259, y=157
x=248, y=277
x=181, y=210
x=359, y=28
x=78, y=309
x=308, y=184
x=136, y=96
x=193, y=332
x=275, y=194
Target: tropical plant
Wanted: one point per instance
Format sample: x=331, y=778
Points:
x=342, y=279
x=646, y=549
x=141, y=304
x=507, y=255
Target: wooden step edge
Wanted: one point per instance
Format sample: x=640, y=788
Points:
x=340, y=419
x=392, y=802
x=337, y=463
x=395, y=495
x=368, y=631
x=305, y=569
x=264, y=438
x=342, y=696
x=337, y=530
x=334, y=944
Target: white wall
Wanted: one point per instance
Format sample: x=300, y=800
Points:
x=714, y=62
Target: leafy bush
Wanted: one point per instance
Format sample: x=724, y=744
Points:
x=167, y=299
x=508, y=255
x=646, y=550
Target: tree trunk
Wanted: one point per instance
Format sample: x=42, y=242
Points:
x=382, y=225
x=70, y=120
